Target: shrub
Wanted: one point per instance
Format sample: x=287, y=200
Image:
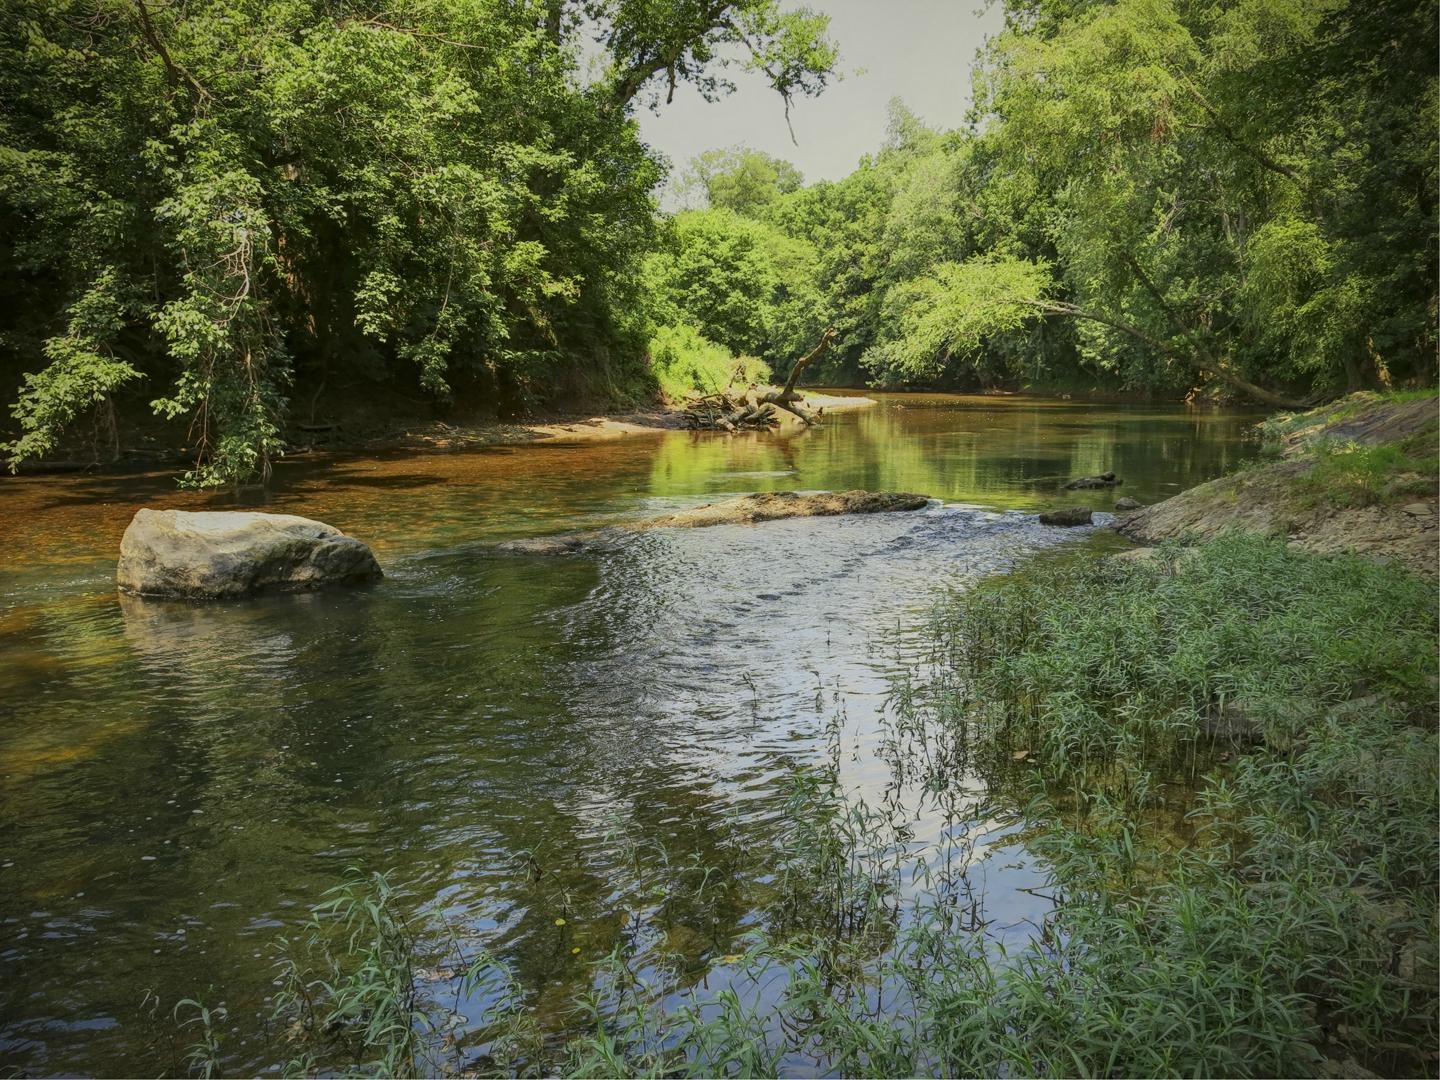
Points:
x=686, y=363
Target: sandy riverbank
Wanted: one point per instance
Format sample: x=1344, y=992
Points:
x=439, y=435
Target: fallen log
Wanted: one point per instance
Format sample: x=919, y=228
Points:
x=754, y=408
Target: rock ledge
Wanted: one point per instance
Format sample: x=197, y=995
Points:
x=775, y=505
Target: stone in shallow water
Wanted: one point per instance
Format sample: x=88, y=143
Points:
x=568, y=544
x=1102, y=481
x=216, y=554
x=1127, y=503
x=1070, y=515
x=746, y=510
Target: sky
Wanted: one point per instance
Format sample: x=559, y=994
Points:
x=918, y=50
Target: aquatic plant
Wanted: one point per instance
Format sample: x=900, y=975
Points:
x=349, y=993
x=1227, y=760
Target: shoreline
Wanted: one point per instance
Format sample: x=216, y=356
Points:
x=580, y=427
x=1355, y=476
x=434, y=436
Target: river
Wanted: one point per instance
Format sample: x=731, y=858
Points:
x=518, y=740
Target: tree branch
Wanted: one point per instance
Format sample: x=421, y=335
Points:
x=173, y=72
x=788, y=394
x=1204, y=365
x=1229, y=133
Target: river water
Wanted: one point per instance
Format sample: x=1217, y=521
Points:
x=517, y=740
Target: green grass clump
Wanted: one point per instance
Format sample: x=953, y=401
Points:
x=1300, y=923
x=1349, y=475
x=686, y=363
x=1113, y=665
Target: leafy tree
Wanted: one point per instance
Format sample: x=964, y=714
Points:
x=742, y=180
x=687, y=41
x=741, y=283
x=1205, y=222
x=221, y=200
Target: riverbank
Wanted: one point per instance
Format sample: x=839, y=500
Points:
x=437, y=435
x=376, y=434
x=1358, y=475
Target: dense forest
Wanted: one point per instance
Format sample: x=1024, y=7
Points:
x=223, y=212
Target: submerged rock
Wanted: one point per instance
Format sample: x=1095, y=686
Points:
x=1127, y=503
x=1104, y=480
x=563, y=544
x=774, y=505
x=1067, y=516
x=543, y=545
x=215, y=554
x=747, y=510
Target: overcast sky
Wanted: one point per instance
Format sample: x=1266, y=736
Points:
x=918, y=50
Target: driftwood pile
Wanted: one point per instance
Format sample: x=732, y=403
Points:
x=753, y=408
x=729, y=410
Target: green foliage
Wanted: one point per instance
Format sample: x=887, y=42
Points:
x=952, y=312
x=686, y=363
x=742, y=283
x=226, y=201
x=742, y=180
x=1197, y=178
x=1239, y=626
x=82, y=370
x=1347, y=474
x=694, y=41
x=350, y=995
x=203, y=1056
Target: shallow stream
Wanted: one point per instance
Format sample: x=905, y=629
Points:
x=518, y=739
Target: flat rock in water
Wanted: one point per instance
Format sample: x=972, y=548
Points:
x=1127, y=503
x=219, y=554
x=542, y=545
x=565, y=544
x=774, y=505
x=1104, y=480
x=1067, y=516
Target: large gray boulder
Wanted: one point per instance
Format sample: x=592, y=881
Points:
x=211, y=555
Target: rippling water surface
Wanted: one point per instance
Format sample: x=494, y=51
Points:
x=179, y=783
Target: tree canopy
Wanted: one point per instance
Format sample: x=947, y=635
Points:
x=1230, y=194
x=210, y=203
x=745, y=181
x=220, y=209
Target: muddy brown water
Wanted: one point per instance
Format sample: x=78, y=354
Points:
x=180, y=783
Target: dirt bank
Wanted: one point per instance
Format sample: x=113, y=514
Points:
x=1358, y=475
x=366, y=434
x=437, y=435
